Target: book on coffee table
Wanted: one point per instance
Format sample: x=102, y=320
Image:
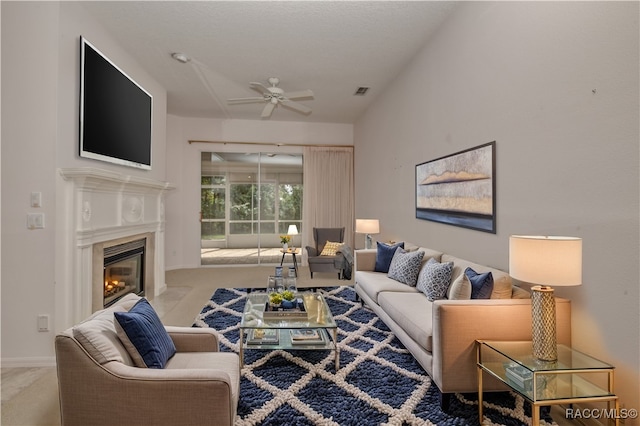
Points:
x=306, y=336
x=263, y=336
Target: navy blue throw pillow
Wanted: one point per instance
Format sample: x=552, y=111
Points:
x=481, y=284
x=384, y=256
x=144, y=336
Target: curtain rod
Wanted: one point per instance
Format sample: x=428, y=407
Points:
x=270, y=144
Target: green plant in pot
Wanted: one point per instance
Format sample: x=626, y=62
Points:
x=288, y=295
x=288, y=299
x=275, y=299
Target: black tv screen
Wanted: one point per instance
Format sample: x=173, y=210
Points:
x=115, y=112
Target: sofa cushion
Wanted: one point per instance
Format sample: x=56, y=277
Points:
x=375, y=283
x=405, y=266
x=99, y=338
x=384, y=255
x=520, y=293
x=412, y=312
x=144, y=336
x=430, y=254
x=481, y=284
x=434, y=279
x=330, y=248
x=460, y=289
x=501, y=279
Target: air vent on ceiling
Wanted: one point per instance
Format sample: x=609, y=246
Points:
x=361, y=91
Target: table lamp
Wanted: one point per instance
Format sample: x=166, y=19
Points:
x=293, y=230
x=545, y=261
x=367, y=226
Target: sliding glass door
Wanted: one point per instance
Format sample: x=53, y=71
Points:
x=247, y=201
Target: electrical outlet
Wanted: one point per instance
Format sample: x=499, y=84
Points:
x=43, y=322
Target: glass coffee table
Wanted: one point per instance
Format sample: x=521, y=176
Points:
x=313, y=328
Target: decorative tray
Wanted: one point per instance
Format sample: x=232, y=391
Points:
x=297, y=312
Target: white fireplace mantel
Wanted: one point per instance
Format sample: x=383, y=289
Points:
x=98, y=208
x=99, y=179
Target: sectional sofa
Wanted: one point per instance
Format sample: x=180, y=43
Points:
x=441, y=334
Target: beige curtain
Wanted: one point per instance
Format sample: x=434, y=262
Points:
x=328, y=191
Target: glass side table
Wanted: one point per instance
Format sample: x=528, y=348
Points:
x=574, y=377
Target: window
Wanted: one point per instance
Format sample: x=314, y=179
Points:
x=213, y=203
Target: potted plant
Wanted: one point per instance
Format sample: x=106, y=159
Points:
x=275, y=299
x=285, y=239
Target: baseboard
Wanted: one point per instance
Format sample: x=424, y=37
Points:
x=43, y=361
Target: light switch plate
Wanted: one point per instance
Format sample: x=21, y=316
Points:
x=35, y=220
x=36, y=199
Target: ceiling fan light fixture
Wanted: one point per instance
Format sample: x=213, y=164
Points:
x=180, y=57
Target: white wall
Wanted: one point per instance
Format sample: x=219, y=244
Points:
x=40, y=104
x=183, y=167
x=555, y=84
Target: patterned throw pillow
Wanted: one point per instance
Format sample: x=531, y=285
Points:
x=405, y=266
x=330, y=249
x=434, y=279
x=481, y=284
x=384, y=256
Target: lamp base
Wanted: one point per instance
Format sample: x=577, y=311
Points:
x=368, y=241
x=543, y=323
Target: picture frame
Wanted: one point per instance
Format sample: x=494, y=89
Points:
x=459, y=189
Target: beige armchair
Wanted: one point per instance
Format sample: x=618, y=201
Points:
x=317, y=263
x=99, y=384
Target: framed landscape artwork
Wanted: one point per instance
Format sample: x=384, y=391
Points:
x=459, y=189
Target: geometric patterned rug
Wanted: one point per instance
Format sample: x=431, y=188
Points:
x=378, y=383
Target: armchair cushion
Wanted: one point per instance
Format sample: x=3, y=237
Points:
x=99, y=338
x=144, y=336
x=330, y=248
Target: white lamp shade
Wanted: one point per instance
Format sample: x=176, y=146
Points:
x=367, y=226
x=293, y=230
x=544, y=260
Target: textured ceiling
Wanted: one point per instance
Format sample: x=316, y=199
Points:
x=329, y=47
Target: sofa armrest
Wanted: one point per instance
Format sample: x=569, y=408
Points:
x=365, y=259
x=193, y=339
x=457, y=324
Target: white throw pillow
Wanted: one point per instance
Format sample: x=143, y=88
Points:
x=460, y=289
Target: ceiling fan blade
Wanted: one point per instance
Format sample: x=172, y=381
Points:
x=268, y=109
x=298, y=94
x=260, y=88
x=246, y=100
x=303, y=109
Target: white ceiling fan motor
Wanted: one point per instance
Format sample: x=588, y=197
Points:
x=275, y=96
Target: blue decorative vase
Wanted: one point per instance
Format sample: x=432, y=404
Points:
x=288, y=304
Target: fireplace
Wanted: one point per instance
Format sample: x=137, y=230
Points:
x=102, y=212
x=123, y=270
x=122, y=266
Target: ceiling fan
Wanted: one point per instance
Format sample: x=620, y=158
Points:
x=275, y=96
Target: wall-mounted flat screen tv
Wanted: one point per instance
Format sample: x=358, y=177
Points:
x=115, y=112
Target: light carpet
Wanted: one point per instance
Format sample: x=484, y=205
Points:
x=378, y=383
